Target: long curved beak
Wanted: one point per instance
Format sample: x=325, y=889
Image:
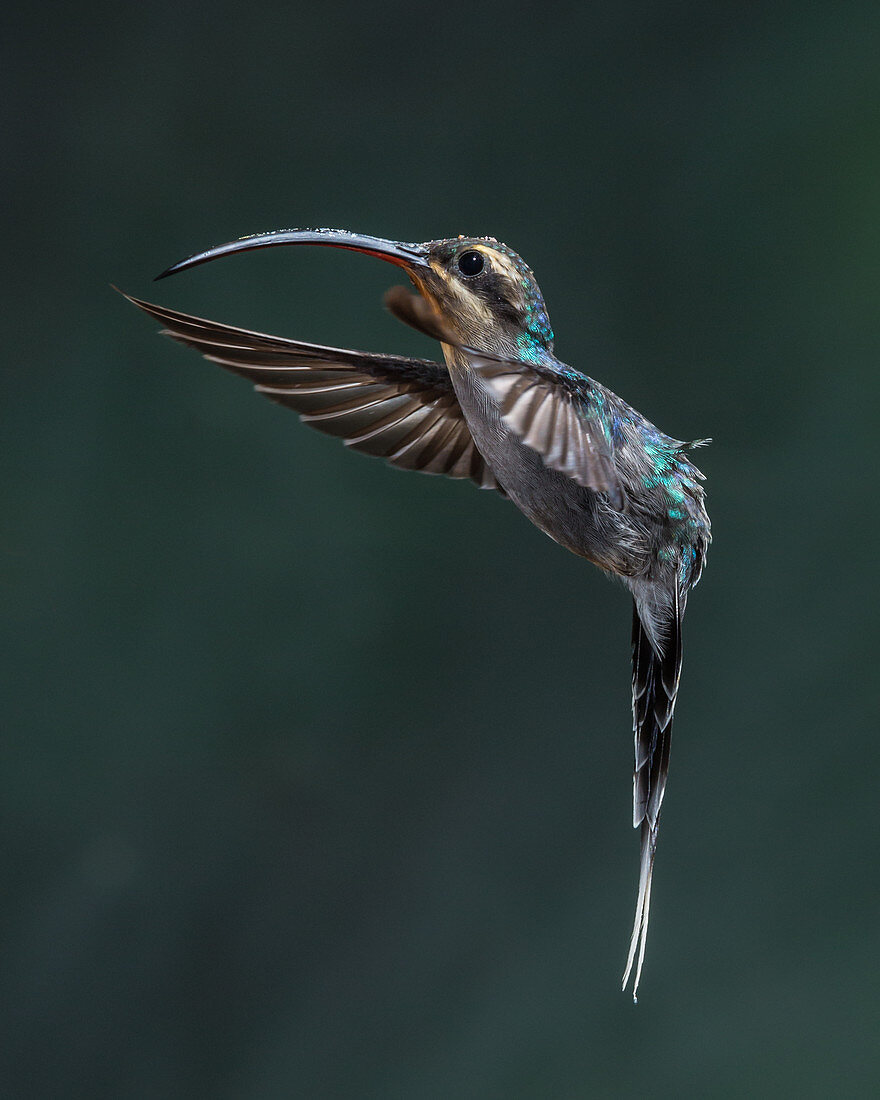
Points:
x=408, y=256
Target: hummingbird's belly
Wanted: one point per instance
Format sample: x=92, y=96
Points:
x=569, y=513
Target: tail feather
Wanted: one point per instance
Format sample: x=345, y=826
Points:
x=656, y=671
x=643, y=907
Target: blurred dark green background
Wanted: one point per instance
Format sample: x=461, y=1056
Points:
x=316, y=775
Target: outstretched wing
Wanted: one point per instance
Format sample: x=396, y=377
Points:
x=556, y=415
x=403, y=410
x=656, y=674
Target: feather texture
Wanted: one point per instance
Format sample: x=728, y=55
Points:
x=583, y=465
x=656, y=670
x=400, y=409
x=550, y=418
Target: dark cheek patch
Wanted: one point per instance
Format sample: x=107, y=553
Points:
x=493, y=290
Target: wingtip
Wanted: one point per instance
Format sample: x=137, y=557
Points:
x=638, y=940
x=127, y=297
x=142, y=305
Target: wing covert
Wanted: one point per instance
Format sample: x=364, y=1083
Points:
x=554, y=417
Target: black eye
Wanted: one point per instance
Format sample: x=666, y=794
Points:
x=470, y=263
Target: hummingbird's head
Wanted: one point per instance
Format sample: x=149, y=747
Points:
x=487, y=294
x=482, y=291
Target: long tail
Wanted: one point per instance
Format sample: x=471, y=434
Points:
x=656, y=670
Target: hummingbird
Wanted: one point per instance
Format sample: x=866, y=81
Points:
x=503, y=411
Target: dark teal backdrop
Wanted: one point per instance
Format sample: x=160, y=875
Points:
x=315, y=775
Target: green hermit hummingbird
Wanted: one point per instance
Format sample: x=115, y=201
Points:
x=502, y=410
